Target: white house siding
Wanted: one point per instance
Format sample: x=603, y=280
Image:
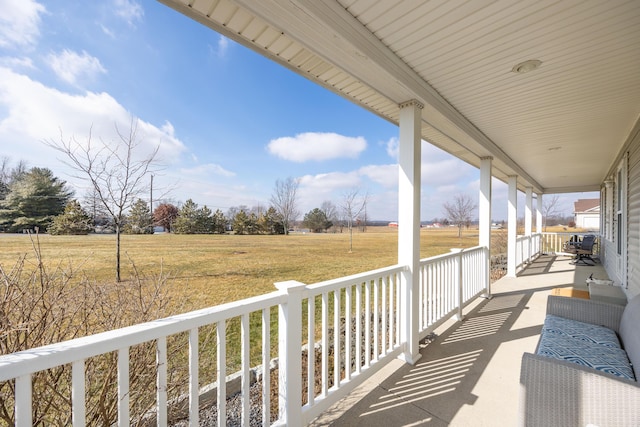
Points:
x=633, y=226
x=588, y=220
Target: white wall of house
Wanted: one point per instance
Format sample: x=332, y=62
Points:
x=588, y=220
x=633, y=222
x=621, y=217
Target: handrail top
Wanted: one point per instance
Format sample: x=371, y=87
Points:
x=339, y=282
x=45, y=357
x=451, y=254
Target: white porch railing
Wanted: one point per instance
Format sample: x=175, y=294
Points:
x=527, y=248
x=448, y=282
x=353, y=321
x=553, y=243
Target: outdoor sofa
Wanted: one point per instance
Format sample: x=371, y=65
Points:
x=583, y=373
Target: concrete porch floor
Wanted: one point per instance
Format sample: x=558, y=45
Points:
x=469, y=375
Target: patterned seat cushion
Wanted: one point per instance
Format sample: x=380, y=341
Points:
x=578, y=346
x=595, y=334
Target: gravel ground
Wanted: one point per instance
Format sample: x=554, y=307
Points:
x=209, y=415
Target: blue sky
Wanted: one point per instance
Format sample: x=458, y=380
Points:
x=229, y=122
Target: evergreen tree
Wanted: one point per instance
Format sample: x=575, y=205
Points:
x=253, y=224
x=139, y=220
x=316, y=220
x=219, y=222
x=33, y=200
x=271, y=222
x=187, y=220
x=74, y=220
x=241, y=223
x=204, y=221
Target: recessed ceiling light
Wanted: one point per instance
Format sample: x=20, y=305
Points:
x=526, y=66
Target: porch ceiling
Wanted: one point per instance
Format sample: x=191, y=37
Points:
x=559, y=128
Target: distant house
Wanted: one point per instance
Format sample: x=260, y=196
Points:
x=587, y=213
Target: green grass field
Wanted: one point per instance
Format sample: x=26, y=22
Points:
x=206, y=270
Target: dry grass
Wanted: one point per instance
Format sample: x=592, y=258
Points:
x=208, y=270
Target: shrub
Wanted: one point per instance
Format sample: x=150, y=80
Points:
x=43, y=305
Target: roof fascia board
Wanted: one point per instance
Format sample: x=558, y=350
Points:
x=215, y=26
x=576, y=189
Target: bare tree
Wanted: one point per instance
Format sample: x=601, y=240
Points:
x=549, y=209
x=284, y=201
x=115, y=171
x=9, y=175
x=331, y=212
x=352, y=206
x=460, y=211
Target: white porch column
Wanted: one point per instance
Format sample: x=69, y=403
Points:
x=409, y=224
x=539, y=213
x=528, y=211
x=528, y=222
x=484, y=216
x=512, y=223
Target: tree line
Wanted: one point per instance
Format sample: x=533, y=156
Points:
x=35, y=199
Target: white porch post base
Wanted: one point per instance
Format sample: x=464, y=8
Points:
x=289, y=345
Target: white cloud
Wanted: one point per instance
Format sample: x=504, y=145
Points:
x=316, y=146
x=440, y=168
x=392, y=147
x=328, y=182
x=33, y=113
x=220, y=49
x=129, y=10
x=19, y=23
x=385, y=175
x=16, y=63
x=72, y=67
x=314, y=189
x=107, y=31
x=204, y=171
x=223, y=46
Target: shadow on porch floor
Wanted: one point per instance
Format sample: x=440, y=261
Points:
x=469, y=375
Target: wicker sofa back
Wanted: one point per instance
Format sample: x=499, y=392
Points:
x=557, y=392
x=630, y=333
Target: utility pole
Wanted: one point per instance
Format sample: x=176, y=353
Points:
x=151, y=196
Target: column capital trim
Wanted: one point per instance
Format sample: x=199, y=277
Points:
x=411, y=103
x=486, y=158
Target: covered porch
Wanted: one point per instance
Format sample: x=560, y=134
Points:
x=455, y=75
x=469, y=370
